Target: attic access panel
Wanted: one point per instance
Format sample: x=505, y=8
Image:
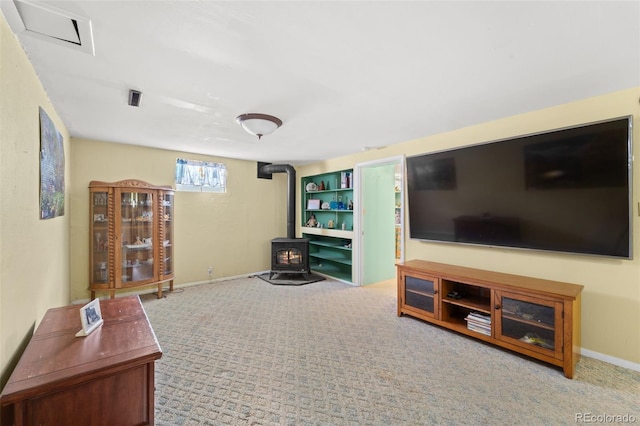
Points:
x=49, y=23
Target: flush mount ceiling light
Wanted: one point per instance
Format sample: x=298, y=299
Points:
x=259, y=124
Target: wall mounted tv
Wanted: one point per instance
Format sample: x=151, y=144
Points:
x=566, y=190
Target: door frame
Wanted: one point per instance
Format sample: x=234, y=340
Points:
x=358, y=249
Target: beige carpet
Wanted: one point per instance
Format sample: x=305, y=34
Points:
x=244, y=352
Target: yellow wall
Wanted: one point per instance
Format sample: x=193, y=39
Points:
x=611, y=295
x=34, y=253
x=231, y=232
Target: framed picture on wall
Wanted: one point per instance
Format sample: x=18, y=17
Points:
x=52, y=169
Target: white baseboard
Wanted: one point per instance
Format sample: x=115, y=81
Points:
x=154, y=289
x=191, y=284
x=611, y=359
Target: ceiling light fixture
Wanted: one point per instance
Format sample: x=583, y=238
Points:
x=259, y=124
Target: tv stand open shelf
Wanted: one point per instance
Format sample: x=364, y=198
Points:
x=535, y=317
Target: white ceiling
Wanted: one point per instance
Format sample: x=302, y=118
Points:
x=343, y=76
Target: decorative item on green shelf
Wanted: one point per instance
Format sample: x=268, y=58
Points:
x=330, y=224
x=312, y=222
x=350, y=205
x=321, y=186
x=313, y=204
x=325, y=206
x=311, y=187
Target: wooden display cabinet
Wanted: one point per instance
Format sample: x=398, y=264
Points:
x=535, y=317
x=131, y=236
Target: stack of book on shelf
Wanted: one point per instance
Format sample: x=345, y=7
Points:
x=478, y=322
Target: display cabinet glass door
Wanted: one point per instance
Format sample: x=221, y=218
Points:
x=99, y=217
x=535, y=324
x=137, y=232
x=167, y=230
x=420, y=293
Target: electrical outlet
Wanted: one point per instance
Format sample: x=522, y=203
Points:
x=210, y=271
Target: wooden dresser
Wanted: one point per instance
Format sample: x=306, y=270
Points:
x=106, y=378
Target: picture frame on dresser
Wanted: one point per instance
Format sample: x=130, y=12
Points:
x=91, y=318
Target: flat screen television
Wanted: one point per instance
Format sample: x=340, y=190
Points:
x=566, y=190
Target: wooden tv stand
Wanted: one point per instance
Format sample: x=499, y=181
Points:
x=535, y=317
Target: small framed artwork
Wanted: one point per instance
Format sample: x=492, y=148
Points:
x=98, y=217
x=313, y=204
x=91, y=318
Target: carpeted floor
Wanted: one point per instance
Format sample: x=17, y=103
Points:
x=244, y=352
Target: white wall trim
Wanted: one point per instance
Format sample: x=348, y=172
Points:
x=165, y=290
x=191, y=284
x=611, y=359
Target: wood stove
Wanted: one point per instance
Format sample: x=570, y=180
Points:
x=290, y=256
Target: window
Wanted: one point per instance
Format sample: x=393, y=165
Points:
x=200, y=176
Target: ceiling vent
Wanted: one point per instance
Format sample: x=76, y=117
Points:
x=49, y=23
x=134, y=98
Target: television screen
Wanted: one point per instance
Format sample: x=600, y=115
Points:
x=566, y=190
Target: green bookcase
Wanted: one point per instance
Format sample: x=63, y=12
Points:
x=328, y=198
x=330, y=256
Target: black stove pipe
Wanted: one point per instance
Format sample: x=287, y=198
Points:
x=291, y=193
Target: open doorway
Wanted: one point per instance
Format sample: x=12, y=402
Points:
x=379, y=242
